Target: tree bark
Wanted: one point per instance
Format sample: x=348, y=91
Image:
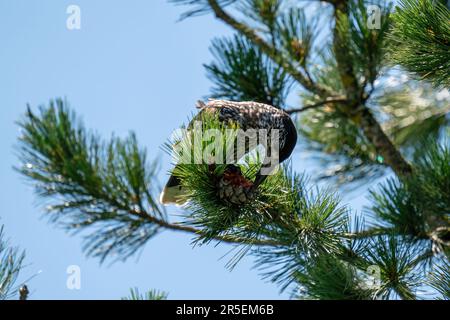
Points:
x=356, y=109
x=384, y=146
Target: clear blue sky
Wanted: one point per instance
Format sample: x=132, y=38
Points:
x=130, y=67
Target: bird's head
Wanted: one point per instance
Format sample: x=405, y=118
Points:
x=286, y=149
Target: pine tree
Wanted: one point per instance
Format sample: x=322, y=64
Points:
x=361, y=113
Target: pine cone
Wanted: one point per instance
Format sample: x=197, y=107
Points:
x=233, y=187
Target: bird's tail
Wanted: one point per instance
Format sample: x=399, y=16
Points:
x=173, y=192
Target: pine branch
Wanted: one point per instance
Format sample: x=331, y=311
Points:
x=355, y=108
x=408, y=112
x=11, y=262
x=418, y=206
x=105, y=186
x=270, y=51
x=329, y=278
x=295, y=37
x=342, y=53
x=242, y=72
x=396, y=260
x=349, y=155
x=439, y=279
x=263, y=12
x=421, y=40
x=346, y=154
x=94, y=184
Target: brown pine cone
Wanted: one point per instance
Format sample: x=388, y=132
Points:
x=233, y=187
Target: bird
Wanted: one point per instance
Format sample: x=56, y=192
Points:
x=248, y=115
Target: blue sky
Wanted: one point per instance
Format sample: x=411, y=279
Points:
x=130, y=67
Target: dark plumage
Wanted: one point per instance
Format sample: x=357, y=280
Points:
x=248, y=115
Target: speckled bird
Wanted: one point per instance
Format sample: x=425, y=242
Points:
x=248, y=115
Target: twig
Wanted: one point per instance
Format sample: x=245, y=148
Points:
x=316, y=105
x=188, y=229
x=238, y=240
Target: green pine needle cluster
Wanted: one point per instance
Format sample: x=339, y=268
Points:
x=421, y=37
x=440, y=280
x=367, y=44
x=263, y=12
x=135, y=295
x=11, y=263
x=418, y=207
x=328, y=278
x=103, y=186
x=238, y=64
